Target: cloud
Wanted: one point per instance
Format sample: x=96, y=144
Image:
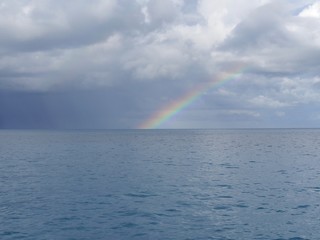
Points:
x=45, y=25
x=263, y=101
x=244, y=112
x=311, y=11
x=165, y=48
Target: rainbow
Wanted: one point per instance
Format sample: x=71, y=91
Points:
x=186, y=99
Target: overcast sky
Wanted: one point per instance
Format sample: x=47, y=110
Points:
x=114, y=63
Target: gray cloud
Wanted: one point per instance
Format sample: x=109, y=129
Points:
x=141, y=55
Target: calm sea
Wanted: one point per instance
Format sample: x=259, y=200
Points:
x=160, y=184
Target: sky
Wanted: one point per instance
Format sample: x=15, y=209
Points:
x=126, y=64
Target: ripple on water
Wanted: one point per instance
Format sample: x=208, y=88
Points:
x=226, y=184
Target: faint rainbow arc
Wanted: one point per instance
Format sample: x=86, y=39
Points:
x=168, y=111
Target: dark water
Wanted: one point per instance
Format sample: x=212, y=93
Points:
x=160, y=184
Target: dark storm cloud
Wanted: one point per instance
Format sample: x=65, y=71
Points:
x=112, y=108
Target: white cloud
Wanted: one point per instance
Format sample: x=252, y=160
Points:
x=263, y=101
x=311, y=11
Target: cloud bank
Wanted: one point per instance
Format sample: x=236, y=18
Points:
x=141, y=55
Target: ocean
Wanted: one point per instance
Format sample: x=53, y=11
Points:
x=160, y=184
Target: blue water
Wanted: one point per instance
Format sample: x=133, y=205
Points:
x=160, y=184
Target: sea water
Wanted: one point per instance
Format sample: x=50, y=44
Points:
x=160, y=184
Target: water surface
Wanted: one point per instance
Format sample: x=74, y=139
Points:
x=160, y=184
